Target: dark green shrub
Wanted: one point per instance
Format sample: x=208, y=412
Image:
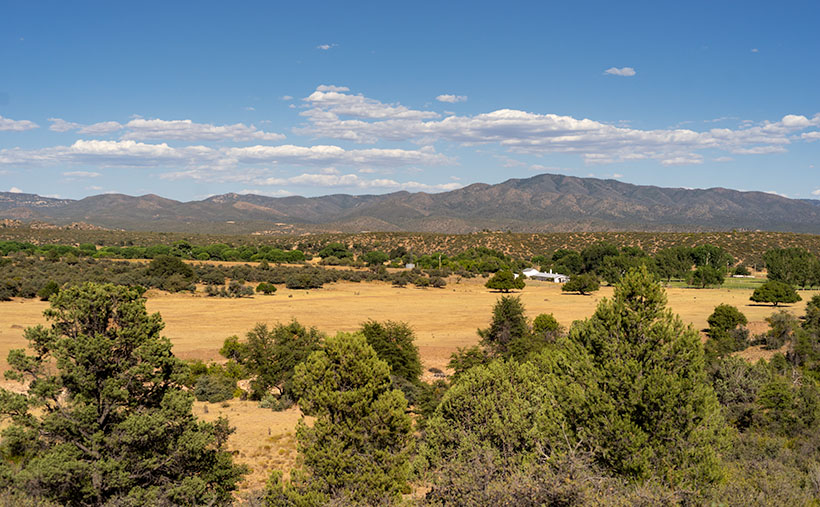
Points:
x=214, y=388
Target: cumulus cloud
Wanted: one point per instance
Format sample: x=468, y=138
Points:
x=816, y=192
x=811, y=136
x=15, y=190
x=172, y=130
x=186, y=130
x=623, y=71
x=452, y=99
x=325, y=47
x=7, y=124
x=335, y=113
x=329, y=155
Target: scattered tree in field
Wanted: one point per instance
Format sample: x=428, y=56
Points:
x=775, y=292
x=271, y=354
x=357, y=449
x=725, y=318
x=104, y=419
x=582, y=284
x=266, y=288
x=508, y=325
x=505, y=281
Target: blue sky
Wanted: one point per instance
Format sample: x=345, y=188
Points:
x=191, y=99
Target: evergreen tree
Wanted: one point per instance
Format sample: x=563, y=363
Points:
x=507, y=326
x=271, y=354
x=357, y=450
x=649, y=409
x=104, y=419
x=393, y=342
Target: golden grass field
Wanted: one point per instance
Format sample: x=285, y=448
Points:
x=443, y=319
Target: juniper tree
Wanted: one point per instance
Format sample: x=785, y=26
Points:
x=357, y=450
x=104, y=419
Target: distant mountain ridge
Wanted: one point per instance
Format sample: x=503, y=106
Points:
x=543, y=203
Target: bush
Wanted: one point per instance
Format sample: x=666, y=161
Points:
x=214, y=388
x=48, y=290
x=582, y=284
x=276, y=403
x=266, y=288
x=725, y=318
x=303, y=281
x=781, y=327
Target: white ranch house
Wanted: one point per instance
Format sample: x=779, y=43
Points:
x=546, y=277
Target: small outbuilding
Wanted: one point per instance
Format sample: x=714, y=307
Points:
x=534, y=274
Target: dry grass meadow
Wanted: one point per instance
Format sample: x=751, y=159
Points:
x=443, y=319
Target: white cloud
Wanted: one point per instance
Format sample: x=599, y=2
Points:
x=617, y=175
x=329, y=155
x=174, y=130
x=816, y=192
x=338, y=114
x=15, y=190
x=355, y=181
x=60, y=125
x=775, y=193
x=186, y=130
x=755, y=50
x=811, y=136
x=325, y=47
x=82, y=174
x=7, y=124
x=249, y=108
x=723, y=159
x=683, y=160
x=452, y=99
x=759, y=150
x=623, y=71
x=286, y=97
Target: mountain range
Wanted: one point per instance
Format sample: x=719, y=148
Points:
x=543, y=203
